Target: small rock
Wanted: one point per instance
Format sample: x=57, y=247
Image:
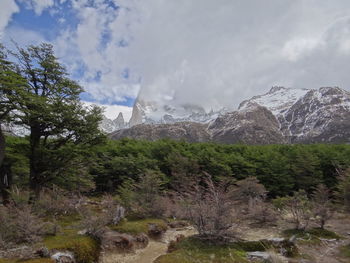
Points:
x=258, y=255
x=63, y=257
x=276, y=239
x=293, y=238
x=43, y=252
x=83, y=232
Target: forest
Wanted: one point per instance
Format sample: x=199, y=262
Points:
x=282, y=169
x=66, y=186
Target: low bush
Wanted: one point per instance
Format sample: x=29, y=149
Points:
x=20, y=225
x=56, y=202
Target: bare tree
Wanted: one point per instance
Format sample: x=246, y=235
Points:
x=298, y=207
x=343, y=188
x=322, y=205
x=250, y=192
x=209, y=206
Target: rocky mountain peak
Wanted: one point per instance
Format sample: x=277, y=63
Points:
x=119, y=121
x=150, y=112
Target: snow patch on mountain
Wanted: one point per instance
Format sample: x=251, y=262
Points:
x=278, y=100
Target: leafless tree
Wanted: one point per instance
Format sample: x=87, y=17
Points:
x=322, y=205
x=343, y=188
x=209, y=206
x=250, y=192
x=298, y=207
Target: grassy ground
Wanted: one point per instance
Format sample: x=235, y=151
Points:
x=138, y=226
x=192, y=250
x=345, y=251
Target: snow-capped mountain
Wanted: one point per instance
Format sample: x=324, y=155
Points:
x=316, y=115
x=153, y=113
x=282, y=115
x=278, y=100
x=108, y=125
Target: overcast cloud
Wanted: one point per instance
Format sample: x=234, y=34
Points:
x=210, y=52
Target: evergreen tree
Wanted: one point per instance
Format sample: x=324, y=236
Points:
x=51, y=109
x=11, y=83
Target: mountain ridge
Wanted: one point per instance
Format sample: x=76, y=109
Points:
x=282, y=115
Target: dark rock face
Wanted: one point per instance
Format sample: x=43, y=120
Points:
x=189, y=131
x=256, y=125
x=320, y=116
x=282, y=115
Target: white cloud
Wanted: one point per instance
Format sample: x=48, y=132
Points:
x=221, y=52
x=40, y=5
x=215, y=53
x=22, y=37
x=112, y=111
x=7, y=9
x=299, y=47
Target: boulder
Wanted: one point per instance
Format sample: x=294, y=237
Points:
x=111, y=240
x=258, y=255
x=177, y=224
x=141, y=241
x=155, y=230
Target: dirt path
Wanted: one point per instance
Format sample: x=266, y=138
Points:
x=150, y=253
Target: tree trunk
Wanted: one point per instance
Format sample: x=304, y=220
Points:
x=5, y=183
x=34, y=172
x=2, y=145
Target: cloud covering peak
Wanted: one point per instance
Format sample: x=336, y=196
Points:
x=212, y=53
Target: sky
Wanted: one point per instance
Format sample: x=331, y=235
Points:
x=214, y=53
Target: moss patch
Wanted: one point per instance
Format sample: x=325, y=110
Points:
x=192, y=250
x=311, y=236
x=324, y=233
x=85, y=249
x=138, y=226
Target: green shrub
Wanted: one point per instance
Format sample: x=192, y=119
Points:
x=85, y=249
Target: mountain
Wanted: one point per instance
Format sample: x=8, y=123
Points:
x=307, y=116
x=156, y=113
x=108, y=125
x=282, y=115
x=253, y=125
x=188, y=131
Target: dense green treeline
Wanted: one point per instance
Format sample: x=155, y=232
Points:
x=281, y=168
